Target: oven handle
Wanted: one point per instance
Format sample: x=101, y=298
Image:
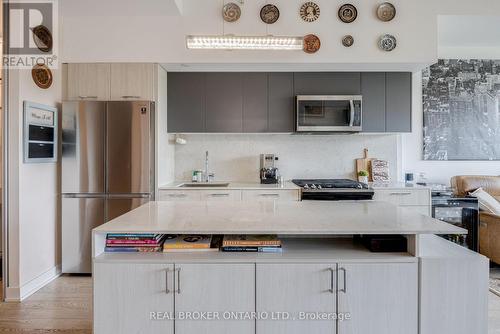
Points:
x=351, y=115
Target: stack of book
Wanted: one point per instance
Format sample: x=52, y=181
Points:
x=125, y=242
x=251, y=243
x=189, y=243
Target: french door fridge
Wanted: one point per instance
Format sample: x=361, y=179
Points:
x=107, y=170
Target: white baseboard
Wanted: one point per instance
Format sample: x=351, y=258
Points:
x=20, y=293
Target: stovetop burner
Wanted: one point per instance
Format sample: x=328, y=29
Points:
x=330, y=184
x=334, y=189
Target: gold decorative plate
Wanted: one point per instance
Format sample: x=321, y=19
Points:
x=309, y=11
x=348, y=13
x=312, y=43
x=269, y=14
x=42, y=76
x=231, y=12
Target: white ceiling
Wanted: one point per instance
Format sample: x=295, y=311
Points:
x=468, y=31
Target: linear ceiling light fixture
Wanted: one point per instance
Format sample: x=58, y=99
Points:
x=230, y=42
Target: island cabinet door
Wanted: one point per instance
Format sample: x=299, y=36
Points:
x=215, y=298
x=133, y=298
x=296, y=298
x=378, y=298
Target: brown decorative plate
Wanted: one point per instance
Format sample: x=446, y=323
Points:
x=42, y=38
x=42, y=76
x=347, y=41
x=348, y=13
x=269, y=14
x=386, y=11
x=309, y=11
x=312, y=43
x=231, y=12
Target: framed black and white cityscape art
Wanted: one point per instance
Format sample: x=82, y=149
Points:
x=461, y=110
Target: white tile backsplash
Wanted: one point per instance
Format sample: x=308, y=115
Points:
x=235, y=157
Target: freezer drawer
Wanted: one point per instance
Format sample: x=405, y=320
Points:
x=130, y=148
x=116, y=207
x=83, y=145
x=79, y=217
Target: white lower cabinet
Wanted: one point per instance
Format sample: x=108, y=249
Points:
x=301, y=292
x=218, y=288
x=381, y=298
x=286, y=298
x=126, y=295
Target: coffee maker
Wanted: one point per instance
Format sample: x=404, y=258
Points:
x=268, y=169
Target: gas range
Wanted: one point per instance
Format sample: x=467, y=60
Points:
x=334, y=189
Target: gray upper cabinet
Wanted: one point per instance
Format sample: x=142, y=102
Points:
x=327, y=83
x=265, y=102
x=281, y=103
x=255, y=102
x=398, y=102
x=373, y=91
x=186, y=102
x=224, y=102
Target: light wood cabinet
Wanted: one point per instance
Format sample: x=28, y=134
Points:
x=299, y=290
x=216, y=288
x=132, y=82
x=416, y=199
x=220, y=195
x=380, y=298
x=88, y=82
x=274, y=195
x=125, y=295
x=179, y=195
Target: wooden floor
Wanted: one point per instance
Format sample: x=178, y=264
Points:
x=65, y=306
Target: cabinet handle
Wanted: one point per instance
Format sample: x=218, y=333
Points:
x=83, y=97
x=269, y=195
x=178, y=270
x=219, y=195
x=332, y=272
x=400, y=193
x=130, y=97
x=167, y=290
x=344, y=290
x=177, y=195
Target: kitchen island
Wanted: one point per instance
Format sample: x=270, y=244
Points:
x=323, y=282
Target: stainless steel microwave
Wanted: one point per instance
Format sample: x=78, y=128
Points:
x=329, y=113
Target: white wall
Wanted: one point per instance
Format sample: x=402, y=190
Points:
x=235, y=157
x=34, y=229
x=112, y=35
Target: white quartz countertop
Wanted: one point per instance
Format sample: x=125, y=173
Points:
x=288, y=185
x=270, y=217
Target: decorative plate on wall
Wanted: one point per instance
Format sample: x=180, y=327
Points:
x=42, y=76
x=348, y=13
x=387, y=42
x=309, y=11
x=42, y=38
x=386, y=11
x=312, y=43
x=231, y=12
x=269, y=14
x=347, y=41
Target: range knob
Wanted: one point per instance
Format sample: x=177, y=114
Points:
x=319, y=186
x=313, y=186
x=306, y=186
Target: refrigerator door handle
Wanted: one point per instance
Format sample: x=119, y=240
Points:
x=103, y=196
x=125, y=196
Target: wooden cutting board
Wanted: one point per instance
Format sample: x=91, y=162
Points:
x=365, y=164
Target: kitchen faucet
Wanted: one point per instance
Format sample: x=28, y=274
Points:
x=207, y=174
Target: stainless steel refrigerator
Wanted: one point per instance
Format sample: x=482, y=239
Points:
x=107, y=170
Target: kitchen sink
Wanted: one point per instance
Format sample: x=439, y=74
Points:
x=203, y=185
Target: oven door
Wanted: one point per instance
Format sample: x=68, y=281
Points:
x=329, y=113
